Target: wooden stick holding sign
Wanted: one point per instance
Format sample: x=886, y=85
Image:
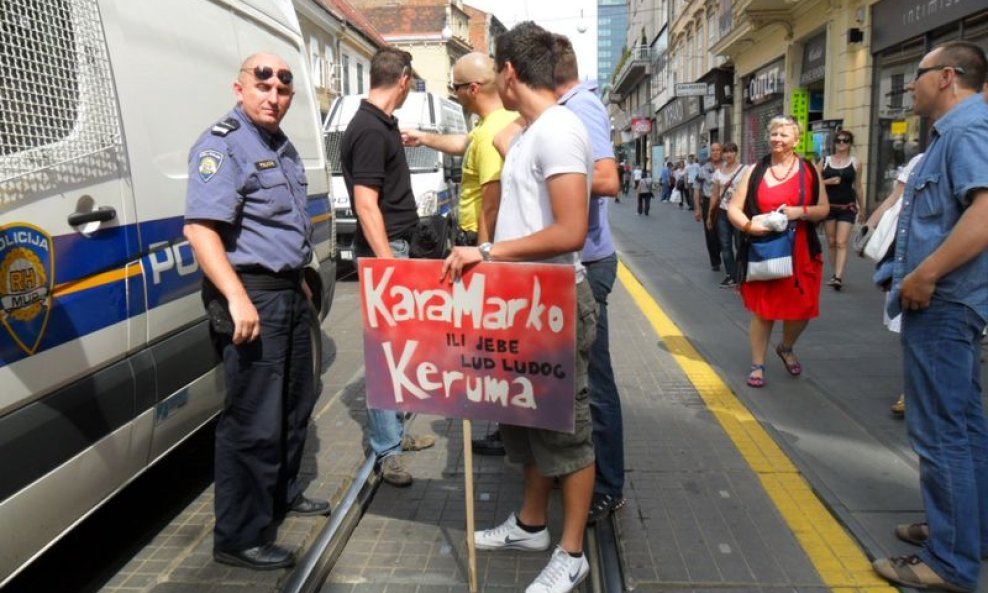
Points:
x=498, y=345
x=468, y=486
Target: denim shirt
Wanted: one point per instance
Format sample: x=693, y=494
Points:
x=936, y=196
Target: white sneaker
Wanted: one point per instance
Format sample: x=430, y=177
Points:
x=561, y=575
x=509, y=536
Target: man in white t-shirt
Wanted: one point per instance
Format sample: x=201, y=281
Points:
x=543, y=217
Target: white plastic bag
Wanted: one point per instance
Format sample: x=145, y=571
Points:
x=881, y=239
x=676, y=196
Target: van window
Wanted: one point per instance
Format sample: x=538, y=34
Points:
x=54, y=62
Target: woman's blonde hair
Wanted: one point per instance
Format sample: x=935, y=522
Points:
x=784, y=120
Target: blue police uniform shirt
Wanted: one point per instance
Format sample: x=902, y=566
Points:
x=582, y=101
x=254, y=183
x=939, y=190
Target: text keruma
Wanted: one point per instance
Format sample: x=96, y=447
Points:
x=452, y=306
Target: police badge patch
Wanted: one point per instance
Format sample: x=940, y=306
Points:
x=210, y=162
x=27, y=275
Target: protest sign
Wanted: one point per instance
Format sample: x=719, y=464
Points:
x=498, y=345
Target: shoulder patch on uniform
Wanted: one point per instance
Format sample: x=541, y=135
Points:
x=226, y=126
x=210, y=162
x=262, y=165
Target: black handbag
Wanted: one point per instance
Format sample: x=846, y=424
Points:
x=431, y=238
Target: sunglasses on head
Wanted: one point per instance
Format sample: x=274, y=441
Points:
x=263, y=73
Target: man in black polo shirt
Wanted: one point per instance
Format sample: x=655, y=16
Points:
x=377, y=178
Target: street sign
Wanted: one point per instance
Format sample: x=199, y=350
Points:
x=691, y=89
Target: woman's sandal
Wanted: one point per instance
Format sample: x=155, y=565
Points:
x=753, y=380
x=795, y=369
x=837, y=283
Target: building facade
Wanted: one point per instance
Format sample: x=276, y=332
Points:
x=612, y=32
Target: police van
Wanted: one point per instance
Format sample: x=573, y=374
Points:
x=105, y=358
x=435, y=176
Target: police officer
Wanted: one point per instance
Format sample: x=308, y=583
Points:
x=247, y=221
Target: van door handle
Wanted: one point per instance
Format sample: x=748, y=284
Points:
x=101, y=214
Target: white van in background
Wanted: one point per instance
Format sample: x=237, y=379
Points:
x=435, y=176
x=105, y=357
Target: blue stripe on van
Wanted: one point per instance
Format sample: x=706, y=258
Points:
x=169, y=271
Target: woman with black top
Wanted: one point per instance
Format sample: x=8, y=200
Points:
x=841, y=173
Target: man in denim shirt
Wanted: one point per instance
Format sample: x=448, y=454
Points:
x=940, y=283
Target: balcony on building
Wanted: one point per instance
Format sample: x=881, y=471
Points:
x=635, y=66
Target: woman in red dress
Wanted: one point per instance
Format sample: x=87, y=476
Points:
x=779, y=180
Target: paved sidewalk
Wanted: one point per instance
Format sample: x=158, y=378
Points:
x=697, y=518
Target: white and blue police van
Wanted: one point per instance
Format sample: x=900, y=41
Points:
x=105, y=357
x=435, y=176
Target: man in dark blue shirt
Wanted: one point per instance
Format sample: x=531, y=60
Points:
x=247, y=220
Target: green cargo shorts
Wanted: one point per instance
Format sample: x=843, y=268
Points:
x=561, y=453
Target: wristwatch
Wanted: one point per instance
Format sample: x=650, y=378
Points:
x=485, y=251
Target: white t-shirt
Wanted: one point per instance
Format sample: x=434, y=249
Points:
x=726, y=193
x=907, y=169
x=554, y=143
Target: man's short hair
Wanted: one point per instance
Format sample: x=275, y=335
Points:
x=566, y=66
x=529, y=48
x=967, y=57
x=388, y=65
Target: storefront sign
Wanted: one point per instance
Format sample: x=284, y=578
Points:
x=500, y=345
x=814, y=60
x=691, y=89
x=676, y=112
x=900, y=128
x=801, y=113
x=894, y=21
x=641, y=125
x=765, y=84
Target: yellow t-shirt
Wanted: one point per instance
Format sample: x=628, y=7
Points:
x=481, y=165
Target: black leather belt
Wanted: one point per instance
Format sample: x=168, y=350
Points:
x=260, y=278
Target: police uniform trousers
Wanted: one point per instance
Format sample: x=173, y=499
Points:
x=261, y=431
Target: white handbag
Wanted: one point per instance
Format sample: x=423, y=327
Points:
x=881, y=239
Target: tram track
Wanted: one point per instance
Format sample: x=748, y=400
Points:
x=607, y=573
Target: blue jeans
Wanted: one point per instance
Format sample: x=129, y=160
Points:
x=726, y=234
x=941, y=359
x=605, y=403
x=386, y=428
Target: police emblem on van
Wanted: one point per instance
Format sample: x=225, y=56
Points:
x=210, y=162
x=27, y=274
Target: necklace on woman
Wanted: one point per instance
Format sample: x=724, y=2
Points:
x=771, y=170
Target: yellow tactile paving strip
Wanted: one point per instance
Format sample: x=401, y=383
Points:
x=842, y=565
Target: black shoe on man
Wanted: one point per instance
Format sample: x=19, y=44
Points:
x=603, y=505
x=264, y=557
x=489, y=445
x=309, y=507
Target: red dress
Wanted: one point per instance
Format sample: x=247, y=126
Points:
x=797, y=297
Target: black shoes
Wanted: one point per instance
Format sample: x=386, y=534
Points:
x=603, y=505
x=265, y=557
x=309, y=507
x=489, y=445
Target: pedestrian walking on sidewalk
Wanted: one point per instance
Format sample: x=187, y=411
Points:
x=702, y=194
x=246, y=183
x=726, y=182
x=939, y=285
x=841, y=174
x=543, y=218
x=781, y=180
x=665, y=181
x=644, y=190
x=379, y=184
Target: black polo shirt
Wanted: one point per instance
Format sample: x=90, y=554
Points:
x=371, y=154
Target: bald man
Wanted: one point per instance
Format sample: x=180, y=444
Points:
x=246, y=185
x=472, y=82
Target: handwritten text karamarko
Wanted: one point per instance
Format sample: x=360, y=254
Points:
x=497, y=345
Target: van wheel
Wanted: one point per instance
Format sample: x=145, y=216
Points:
x=315, y=339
